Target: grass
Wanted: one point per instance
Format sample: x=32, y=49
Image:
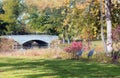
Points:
x=33, y=64
x=21, y=67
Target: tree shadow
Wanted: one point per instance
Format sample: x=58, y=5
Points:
x=58, y=68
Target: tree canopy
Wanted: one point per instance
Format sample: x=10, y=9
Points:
x=70, y=19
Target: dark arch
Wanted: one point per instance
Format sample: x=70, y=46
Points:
x=34, y=43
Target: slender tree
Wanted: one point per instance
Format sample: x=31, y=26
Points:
x=109, y=25
x=102, y=28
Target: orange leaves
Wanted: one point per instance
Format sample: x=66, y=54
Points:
x=83, y=5
x=42, y=4
x=79, y=6
x=66, y=1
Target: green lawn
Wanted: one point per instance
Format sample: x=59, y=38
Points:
x=17, y=67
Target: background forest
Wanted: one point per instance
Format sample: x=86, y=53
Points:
x=67, y=18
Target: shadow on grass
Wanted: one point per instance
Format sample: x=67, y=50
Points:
x=58, y=68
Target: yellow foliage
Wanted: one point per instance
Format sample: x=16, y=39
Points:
x=65, y=21
x=66, y=1
x=42, y=4
x=83, y=5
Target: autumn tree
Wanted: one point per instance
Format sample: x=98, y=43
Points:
x=109, y=24
x=12, y=10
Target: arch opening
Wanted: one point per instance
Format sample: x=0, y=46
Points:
x=35, y=43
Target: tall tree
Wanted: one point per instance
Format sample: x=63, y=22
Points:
x=2, y=23
x=109, y=24
x=102, y=27
x=1, y=8
x=12, y=11
x=46, y=21
x=115, y=12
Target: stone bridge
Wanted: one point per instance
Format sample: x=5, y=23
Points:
x=28, y=40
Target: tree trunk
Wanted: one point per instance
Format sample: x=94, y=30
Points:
x=63, y=38
x=102, y=29
x=68, y=38
x=109, y=25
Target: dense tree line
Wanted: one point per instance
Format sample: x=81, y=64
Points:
x=70, y=19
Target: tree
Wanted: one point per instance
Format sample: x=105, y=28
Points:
x=2, y=23
x=12, y=10
x=46, y=21
x=1, y=8
x=115, y=12
x=43, y=4
x=109, y=24
x=102, y=26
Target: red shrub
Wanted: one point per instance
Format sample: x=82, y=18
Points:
x=74, y=47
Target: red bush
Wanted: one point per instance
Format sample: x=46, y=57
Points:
x=74, y=47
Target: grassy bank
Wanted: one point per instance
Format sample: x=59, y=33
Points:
x=17, y=67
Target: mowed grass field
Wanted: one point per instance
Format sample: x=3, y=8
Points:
x=39, y=63
x=30, y=67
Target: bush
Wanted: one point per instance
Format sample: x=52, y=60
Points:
x=116, y=44
x=101, y=57
x=6, y=44
x=43, y=53
x=55, y=43
x=73, y=49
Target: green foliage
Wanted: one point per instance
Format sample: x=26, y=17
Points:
x=13, y=9
x=115, y=12
x=82, y=23
x=48, y=21
x=69, y=21
x=3, y=27
x=1, y=8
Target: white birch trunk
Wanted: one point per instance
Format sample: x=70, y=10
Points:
x=109, y=25
x=63, y=40
x=102, y=29
x=109, y=36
